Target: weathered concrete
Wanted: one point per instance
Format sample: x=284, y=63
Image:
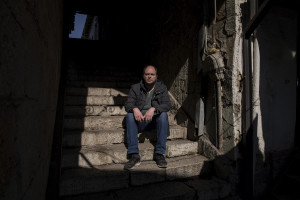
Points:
x=106, y=177
x=81, y=180
x=108, y=109
x=94, y=123
x=90, y=156
x=158, y=191
x=78, y=138
x=146, y=173
x=95, y=100
x=210, y=189
x=196, y=189
x=181, y=147
x=114, y=136
x=94, y=91
x=189, y=166
x=94, y=110
x=98, y=122
x=30, y=59
x=207, y=149
x=92, y=196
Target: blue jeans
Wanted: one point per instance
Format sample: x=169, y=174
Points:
x=160, y=122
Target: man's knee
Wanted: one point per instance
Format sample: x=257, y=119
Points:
x=130, y=118
x=163, y=117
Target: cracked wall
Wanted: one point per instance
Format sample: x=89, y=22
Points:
x=30, y=61
x=228, y=28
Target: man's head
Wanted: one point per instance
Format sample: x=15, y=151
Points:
x=150, y=74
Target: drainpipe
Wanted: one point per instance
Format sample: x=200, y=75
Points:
x=214, y=63
x=220, y=110
x=214, y=24
x=217, y=66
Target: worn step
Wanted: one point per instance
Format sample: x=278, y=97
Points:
x=95, y=100
x=100, y=122
x=155, y=191
x=111, y=177
x=178, y=168
x=94, y=91
x=98, y=179
x=103, y=110
x=94, y=123
x=101, y=84
x=210, y=189
x=106, y=154
x=115, y=136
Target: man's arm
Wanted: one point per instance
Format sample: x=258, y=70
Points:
x=149, y=114
x=138, y=116
x=130, y=104
x=165, y=103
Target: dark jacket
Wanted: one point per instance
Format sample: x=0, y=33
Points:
x=138, y=94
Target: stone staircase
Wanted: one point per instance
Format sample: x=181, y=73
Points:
x=94, y=147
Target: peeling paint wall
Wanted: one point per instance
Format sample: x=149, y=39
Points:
x=30, y=61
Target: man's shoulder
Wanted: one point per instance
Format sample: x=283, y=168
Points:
x=161, y=85
x=136, y=86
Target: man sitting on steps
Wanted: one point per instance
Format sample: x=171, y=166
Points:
x=147, y=106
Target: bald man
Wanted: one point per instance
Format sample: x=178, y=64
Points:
x=147, y=106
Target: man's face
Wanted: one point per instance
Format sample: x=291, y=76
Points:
x=150, y=75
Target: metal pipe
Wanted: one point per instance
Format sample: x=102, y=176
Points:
x=213, y=25
x=218, y=66
x=219, y=119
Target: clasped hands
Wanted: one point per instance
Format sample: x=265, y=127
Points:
x=138, y=116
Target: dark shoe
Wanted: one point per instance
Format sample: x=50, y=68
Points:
x=134, y=161
x=160, y=161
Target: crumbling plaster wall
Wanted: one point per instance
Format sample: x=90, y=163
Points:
x=30, y=62
x=228, y=31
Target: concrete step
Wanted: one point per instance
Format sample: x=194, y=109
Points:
x=211, y=189
x=100, y=122
x=115, y=136
x=110, y=177
x=94, y=91
x=107, y=154
x=95, y=100
x=103, y=110
x=86, y=180
x=101, y=84
x=91, y=123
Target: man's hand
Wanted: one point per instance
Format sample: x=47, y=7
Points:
x=138, y=116
x=149, y=114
